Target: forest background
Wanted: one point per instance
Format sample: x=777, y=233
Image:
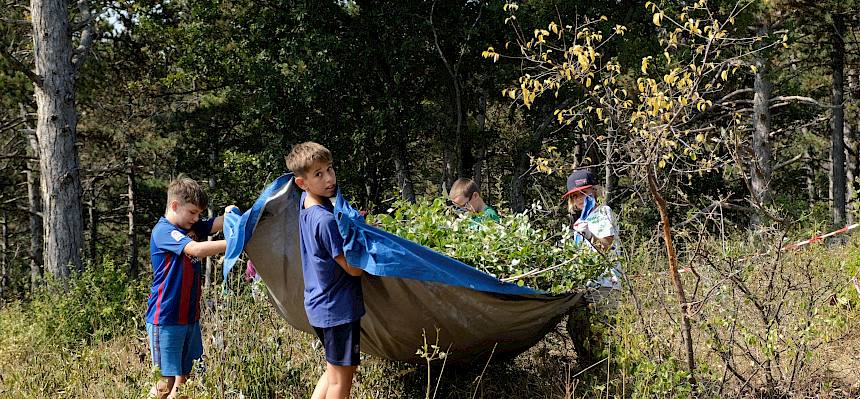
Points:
x=720, y=131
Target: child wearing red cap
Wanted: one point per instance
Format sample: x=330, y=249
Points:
x=595, y=229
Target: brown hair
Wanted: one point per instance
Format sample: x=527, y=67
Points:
x=463, y=187
x=186, y=190
x=596, y=191
x=303, y=156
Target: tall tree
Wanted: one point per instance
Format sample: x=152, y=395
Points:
x=132, y=209
x=837, y=133
x=761, y=167
x=4, y=248
x=851, y=148
x=34, y=200
x=56, y=67
x=453, y=151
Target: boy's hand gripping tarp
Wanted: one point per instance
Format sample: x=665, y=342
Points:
x=408, y=288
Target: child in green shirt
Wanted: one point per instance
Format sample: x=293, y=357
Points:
x=465, y=196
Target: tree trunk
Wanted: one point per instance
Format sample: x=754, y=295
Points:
x=207, y=280
x=467, y=156
x=674, y=275
x=36, y=232
x=133, y=268
x=94, y=220
x=837, y=145
x=449, y=166
x=761, y=167
x=452, y=157
x=461, y=147
x=401, y=166
x=851, y=154
x=522, y=162
x=34, y=200
x=608, y=174
x=809, y=174
x=521, y=169
x=478, y=166
x=4, y=260
x=56, y=130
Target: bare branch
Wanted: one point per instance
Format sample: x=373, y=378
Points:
x=189, y=91
x=15, y=22
x=83, y=23
x=17, y=156
x=708, y=210
x=734, y=93
x=18, y=65
x=81, y=53
x=438, y=47
x=10, y=124
x=802, y=99
x=788, y=162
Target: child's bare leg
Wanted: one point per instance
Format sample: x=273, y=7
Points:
x=321, y=388
x=162, y=388
x=174, y=391
x=339, y=381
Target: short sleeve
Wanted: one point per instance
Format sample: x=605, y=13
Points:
x=330, y=237
x=602, y=223
x=170, y=239
x=203, y=228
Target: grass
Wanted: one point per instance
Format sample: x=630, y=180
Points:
x=68, y=345
x=250, y=352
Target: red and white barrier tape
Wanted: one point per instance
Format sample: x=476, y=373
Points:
x=813, y=240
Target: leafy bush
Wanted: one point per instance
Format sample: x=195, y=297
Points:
x=98, y=304
x=511, y=248
x=765, y=321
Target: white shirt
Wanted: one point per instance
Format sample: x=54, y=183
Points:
x=602, y=223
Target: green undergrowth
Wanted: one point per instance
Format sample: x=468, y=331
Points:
x=516, y=246
x=764, y=324
x=89, y=341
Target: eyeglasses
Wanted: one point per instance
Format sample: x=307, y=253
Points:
x=464, y=207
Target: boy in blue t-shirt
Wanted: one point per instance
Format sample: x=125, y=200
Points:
x=173, y=307
x=333, y=299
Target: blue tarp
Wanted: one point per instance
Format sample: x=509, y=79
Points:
x=238, y=229
x=411, y=293
x=373, y=250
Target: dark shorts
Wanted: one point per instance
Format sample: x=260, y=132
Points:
x=342, y=343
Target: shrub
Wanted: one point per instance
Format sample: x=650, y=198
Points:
x=98, y=303
x=510, y=248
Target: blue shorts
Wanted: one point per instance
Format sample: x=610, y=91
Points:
x=342, y=343
x=174, y=348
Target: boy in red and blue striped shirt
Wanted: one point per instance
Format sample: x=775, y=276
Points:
x=173, y=309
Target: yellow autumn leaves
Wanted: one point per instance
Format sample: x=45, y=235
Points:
x=669, y=90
